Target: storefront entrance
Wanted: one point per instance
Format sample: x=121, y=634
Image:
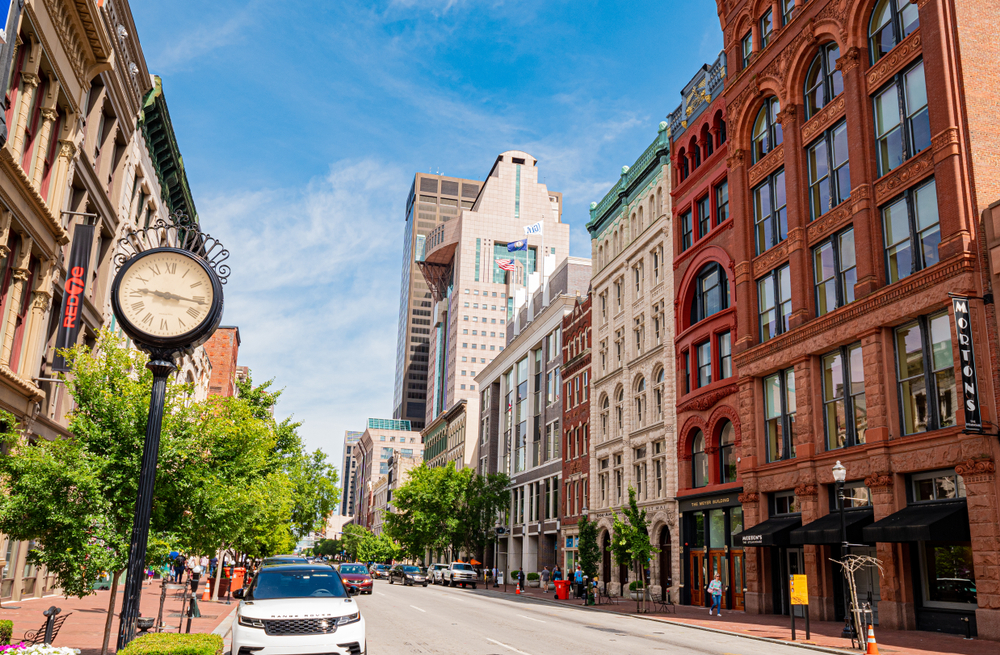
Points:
x=708, y=524
x=697, y=582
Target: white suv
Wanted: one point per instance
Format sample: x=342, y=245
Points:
x=298, y=608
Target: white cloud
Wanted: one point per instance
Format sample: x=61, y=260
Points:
x=314, y=290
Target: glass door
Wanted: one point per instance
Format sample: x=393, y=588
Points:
x=736, y=562
x=795, y=565
x=697, y=577
x=866, y=580
x=718, y=564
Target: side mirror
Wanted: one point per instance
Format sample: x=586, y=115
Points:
x=239, y=593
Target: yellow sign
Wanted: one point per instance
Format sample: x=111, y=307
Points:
x=799, y=590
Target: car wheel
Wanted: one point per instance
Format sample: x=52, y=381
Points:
x=425, y=584
x=473, y=585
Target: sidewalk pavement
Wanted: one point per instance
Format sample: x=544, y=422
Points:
x=825, y=634
x=84, y=628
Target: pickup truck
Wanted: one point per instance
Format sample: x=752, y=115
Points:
x=459, y=573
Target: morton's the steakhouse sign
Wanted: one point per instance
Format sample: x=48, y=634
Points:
x=72, y=300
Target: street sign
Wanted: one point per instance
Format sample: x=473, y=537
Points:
x=799, y=590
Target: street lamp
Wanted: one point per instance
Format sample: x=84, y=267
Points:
x=839, y=476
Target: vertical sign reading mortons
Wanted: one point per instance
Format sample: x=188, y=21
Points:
x=70, y=317
x=967, y=361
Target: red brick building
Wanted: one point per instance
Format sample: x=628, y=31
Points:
x=854, y=169
x=576, y=375
x=704, y=284
x=223, y=349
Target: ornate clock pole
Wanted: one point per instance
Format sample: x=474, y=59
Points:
x=167, y=297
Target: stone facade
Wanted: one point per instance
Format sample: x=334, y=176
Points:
x=223, y=350
x=382, y=440
x=810, y=344
x=632, y=412
x=576, y=371
x=704, y=282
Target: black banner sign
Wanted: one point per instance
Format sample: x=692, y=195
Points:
x=967, y=360
x=70, y=316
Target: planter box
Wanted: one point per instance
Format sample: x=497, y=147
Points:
x=224, y=584
x=534, y=583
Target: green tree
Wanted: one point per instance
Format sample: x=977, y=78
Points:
x=380, y=548
x=327, y=548
x=483, y=498
x=426, y=516
x=351, y=541
x=588, y=553
x=630, y=543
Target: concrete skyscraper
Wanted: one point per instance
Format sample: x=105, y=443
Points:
x=348, y=490
x=470, y=294
x=432, y=200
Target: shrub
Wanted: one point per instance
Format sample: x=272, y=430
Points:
x=635, y=585
x=6, y=629
x=513, y=575
x=174, y=644
x=532, y=576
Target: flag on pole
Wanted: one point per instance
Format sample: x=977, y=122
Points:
x=521, y=244
x=506, y=264
x=533, y=229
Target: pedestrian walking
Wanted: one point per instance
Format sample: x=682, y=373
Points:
x=715, y=588
x=556, y=575
x=546, y=574
x=495, y=580
x=578, y=581
x=179, y=569
x=520, y=579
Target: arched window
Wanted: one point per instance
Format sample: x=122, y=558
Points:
x=706, y=140
x=652, y=208
x=696, y=152
x=823, y=81
x=640, y=401
x=711, y=292
x=720, y=128
x=727, y=453
x=617, y=249
x=699, y=460
x=620, y=411
x=605, y=411
x=659, y=201
x=658, y=393
x=682, y=164
x=766, y=129
x=891, y=22
x=638, y=221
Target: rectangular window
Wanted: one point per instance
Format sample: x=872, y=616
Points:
x=704, y=217
x=835, y=268
x=937, y=485
x=787, y=11
x=704, y=355
x=746, y=43
x=784, y=502
x=912, y=232
x=926, y=374
x=686, y=230
x=687, y=371
x=478, y=244
x=766, y=29
x=774, y=298
x=844, y=411
x=770, y=212
x=722, y=202
x=902, y=127
x=779, y=415
x=829, y=170
x=725, y=356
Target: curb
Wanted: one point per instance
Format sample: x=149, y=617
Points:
x=226, y=626
x=770, y=640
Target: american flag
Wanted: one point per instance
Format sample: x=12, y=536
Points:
x=506, y=264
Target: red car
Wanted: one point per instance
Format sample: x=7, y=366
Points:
x=356, y=578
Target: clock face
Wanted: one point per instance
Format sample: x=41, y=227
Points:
x=165, y=294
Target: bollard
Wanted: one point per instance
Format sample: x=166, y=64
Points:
x=50, y=618
x=968, y=627
x=163, y=598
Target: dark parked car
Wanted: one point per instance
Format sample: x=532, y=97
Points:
x=356, y=578
x=407, y=575
x=284, y=559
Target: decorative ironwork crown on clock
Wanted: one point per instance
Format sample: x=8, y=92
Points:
x=181, y=232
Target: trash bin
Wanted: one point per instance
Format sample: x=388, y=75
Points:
x=562, y=589
x=238, y=576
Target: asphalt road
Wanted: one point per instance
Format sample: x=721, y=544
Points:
x=403, y=620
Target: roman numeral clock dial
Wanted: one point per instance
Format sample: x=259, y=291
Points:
x=165, y=294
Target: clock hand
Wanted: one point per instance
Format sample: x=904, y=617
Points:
x=170, y=296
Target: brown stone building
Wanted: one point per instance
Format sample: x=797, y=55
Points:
x=704, y=282
x=576, y=344
x=223, y=351
x=852, y=174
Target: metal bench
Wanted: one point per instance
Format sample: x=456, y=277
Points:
x=608, y=599
x=664, y=604
x=47, y=633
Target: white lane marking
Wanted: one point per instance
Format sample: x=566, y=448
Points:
x=379, y=593
x=418, y=609
x=531, y=619
x=498, y=643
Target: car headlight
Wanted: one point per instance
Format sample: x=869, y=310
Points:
x=409, y=575
x=250, y=622
x=350, y=618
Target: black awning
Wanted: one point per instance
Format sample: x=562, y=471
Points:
x=826, y=530
x=947, y=521
x=772, y=532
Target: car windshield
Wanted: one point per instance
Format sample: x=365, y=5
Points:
x=323, y=583
x=411, y=569
x=463, y=567
x=353, y=569
x=284, y=560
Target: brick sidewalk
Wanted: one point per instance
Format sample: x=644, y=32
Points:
x=825, y=634
x=84, y=629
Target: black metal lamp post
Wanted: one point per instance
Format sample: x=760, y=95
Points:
x=839, y=476
x=585, y=513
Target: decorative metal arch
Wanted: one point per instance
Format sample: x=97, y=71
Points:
x=181, y=232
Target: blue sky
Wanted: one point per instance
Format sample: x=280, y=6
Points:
x=302, y=123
